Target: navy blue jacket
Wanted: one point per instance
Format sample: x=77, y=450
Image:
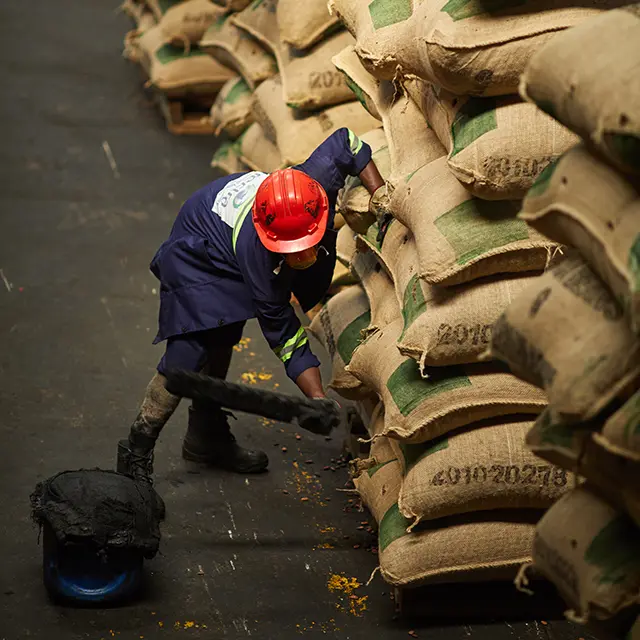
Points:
x=213, y=269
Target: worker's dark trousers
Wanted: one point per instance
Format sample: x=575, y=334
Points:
x=208, y=351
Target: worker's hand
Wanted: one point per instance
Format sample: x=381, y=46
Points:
x=380, y=202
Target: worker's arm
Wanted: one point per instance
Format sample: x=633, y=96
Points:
x=280, y=326
x=341, y=155
x=310, y=383
x=371, y=178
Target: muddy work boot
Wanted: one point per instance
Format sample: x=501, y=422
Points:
x=209, y=440
x=135, y=458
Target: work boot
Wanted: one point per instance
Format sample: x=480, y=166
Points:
x=209, y=440
x=135, y=459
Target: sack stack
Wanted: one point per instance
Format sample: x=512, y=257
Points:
x=183, y=78
x=575, y=333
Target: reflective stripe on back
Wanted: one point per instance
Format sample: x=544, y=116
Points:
x=234, y=201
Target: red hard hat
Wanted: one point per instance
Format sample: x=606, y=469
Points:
x=290, y=212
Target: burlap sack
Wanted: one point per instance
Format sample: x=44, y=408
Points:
x=145, y=20
x=476, y=547
x=599, y=101
x=482, y=468
x=412, y=143
x=231, y=112
x=584, y=203
x=297, y=137
x=339, y=328
x=338, y=221
x=346, y=245
x=389, y=249
x=591, y=553
x=379, y=288
x=384, y=33
x=303, y=25
x=634, y=633
x=461, y=238
x=233, y=5
x=497, y=146
x=227, y=158
x=582, y=451
x=342, y=277
x=176, y=72
x=184, y=23
x=135, y=9
x=471, y=47
x=621, y=432
x=566, y=334
x=235, y=48
x=443, y=326
x=259, y=20
x=381, y=478
x=420, y=409
x=258, y=153
x=353, y=198
x=309, y=79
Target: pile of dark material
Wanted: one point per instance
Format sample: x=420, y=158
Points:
x=103, y=508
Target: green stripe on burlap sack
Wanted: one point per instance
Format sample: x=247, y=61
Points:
x=257, y=152
x=176, y=72
x=621, y=432
x=567, y=335
x=298, y=136
x=383, y=30
x=497, y=146
x=446, y=326
x=475, y=47
x=460, y=238
x=420, y=409
x=309, y=79
x=303, y=28
x=231, y=112
x=597, y=101
x=339, y=327
x=353, y=198
x=236, y=49
x=379, y=288
x=591, y=553
x=584, y=203
x=227, y=158
x=482, y=468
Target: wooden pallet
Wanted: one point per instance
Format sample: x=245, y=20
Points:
x=189, y=117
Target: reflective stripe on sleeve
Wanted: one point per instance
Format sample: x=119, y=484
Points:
x=355, y=144
x=285, y=351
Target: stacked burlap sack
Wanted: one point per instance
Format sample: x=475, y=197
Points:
x=165, y=43
x=575, y=331
x=454, y=489
x=287, y=97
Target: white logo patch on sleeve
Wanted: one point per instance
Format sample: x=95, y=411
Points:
x=228, y=204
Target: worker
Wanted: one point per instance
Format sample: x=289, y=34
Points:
x=238, y=249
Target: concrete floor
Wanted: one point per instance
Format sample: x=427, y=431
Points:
x=240, y=557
